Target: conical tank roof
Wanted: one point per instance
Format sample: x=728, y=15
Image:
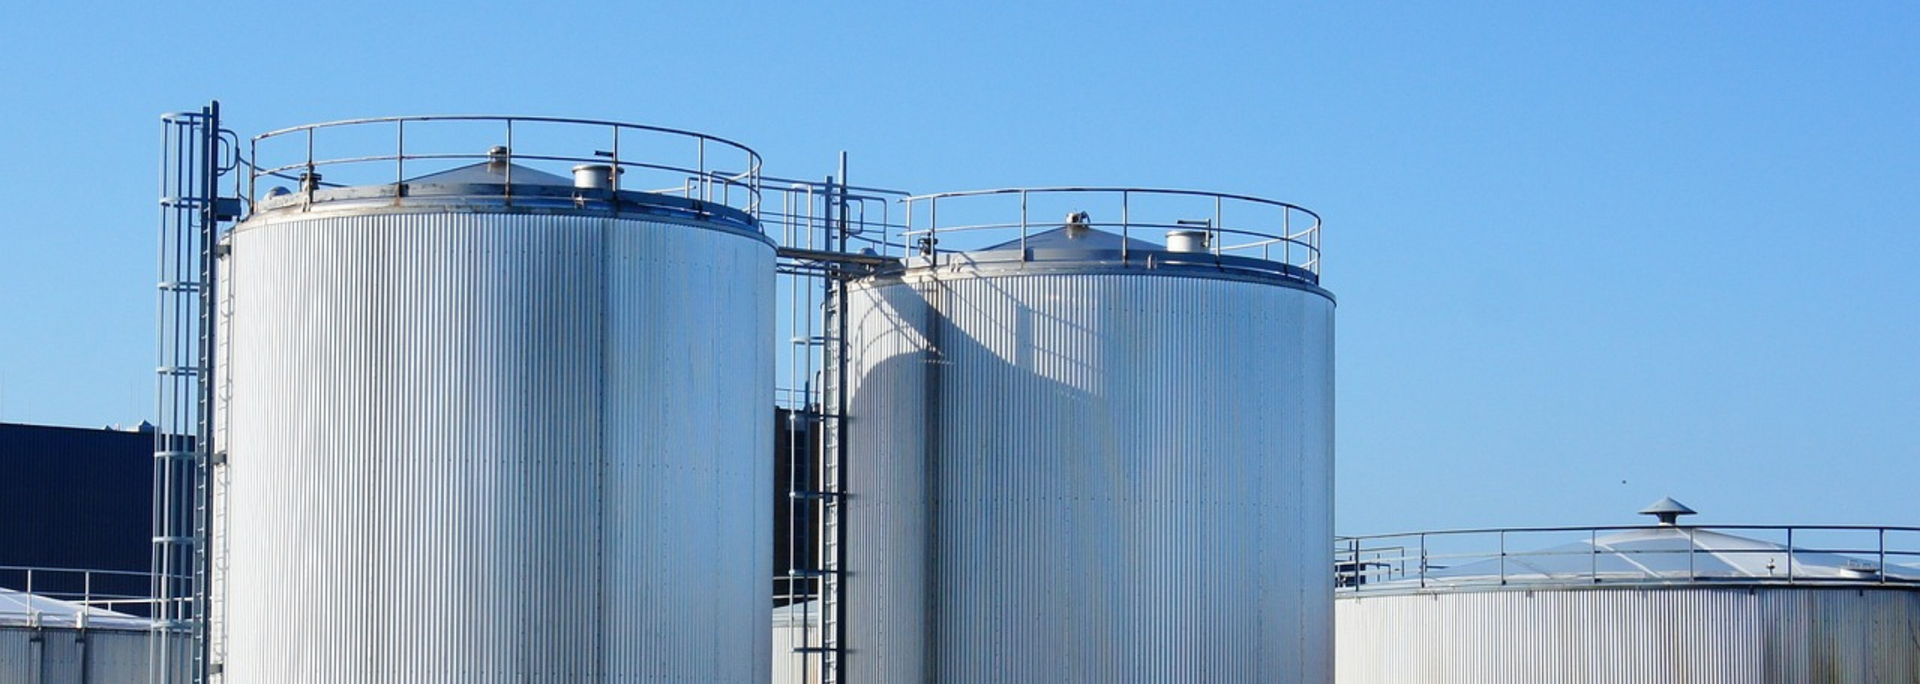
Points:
x=23, y=609
x=492, y=172
x=1066, y=238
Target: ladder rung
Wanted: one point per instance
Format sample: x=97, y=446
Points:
x=812, y=496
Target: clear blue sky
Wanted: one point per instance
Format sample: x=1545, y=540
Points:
x=1587, y=253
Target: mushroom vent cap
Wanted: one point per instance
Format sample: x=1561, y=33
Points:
x=1667, y=510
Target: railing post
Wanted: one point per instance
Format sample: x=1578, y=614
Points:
x=1789, y=555
x=399, y=157
x=1286, y=234
x=1692, y=574
x=1126, y=222
x=1503, y=558
x=1423, y=560
x=1217, y=236
x=613, y=156
x=1593, y=554
x=1883, y=554
x=1023, y=224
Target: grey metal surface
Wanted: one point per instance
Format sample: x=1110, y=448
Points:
x=1106, y=476
x=495, y=447
x=1699, y=635
x=65, y=655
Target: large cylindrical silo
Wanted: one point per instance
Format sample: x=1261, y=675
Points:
x=1087, y=455
x=494, y=424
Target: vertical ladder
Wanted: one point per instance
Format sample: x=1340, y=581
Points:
x=824, y=254
x=833, y=410
x=193, y=147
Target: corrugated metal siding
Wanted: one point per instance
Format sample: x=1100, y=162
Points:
x=75, y=656
x=794, y=627
x=497, y=448
x=1701, y=635
x=1110, y=478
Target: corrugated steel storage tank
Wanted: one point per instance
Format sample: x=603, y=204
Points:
x=1084, y=456
x=796, y=626
x=1669, y=603
x=45, y=640
x=492, y=424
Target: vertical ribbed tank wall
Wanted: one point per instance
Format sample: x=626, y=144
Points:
x=1076, y=475
x=1685, y=632
x=494, y=445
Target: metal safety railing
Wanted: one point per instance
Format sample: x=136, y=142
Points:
x=392, y=150
x=120, y=591
x=1189, y=221
x=1628, y=555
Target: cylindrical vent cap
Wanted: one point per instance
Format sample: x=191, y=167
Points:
x=1187, y=241
x=595, y=176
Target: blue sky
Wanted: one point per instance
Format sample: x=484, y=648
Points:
x=1587, y=253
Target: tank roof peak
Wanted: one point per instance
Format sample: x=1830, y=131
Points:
x=1667, y=510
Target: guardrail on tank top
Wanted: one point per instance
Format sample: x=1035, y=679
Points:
x=395, y=150
x=1150, y=222
x=46, y=594
x=1628, y=556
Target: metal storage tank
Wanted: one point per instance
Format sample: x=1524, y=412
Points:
x=796, y=627
x=44, y=639
x=1083, y=454
x=1665, y=603
x=492, y=423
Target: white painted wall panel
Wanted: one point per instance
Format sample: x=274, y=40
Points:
x=495, y=447
x=1119, y=477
